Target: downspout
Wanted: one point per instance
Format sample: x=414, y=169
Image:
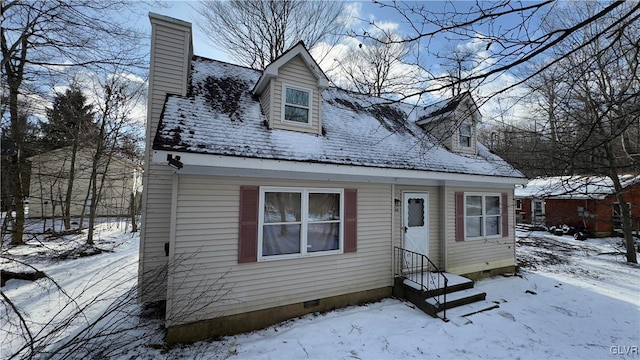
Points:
x=513, y=221
x=393, y=231
x=171, y=263
x=443, y=229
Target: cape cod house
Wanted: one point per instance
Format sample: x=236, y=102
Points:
x=588, y=202
x=270, y=194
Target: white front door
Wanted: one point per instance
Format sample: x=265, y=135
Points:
x=415, y=222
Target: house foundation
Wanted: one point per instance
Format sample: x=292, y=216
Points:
x=253, y=320
x=477, y=275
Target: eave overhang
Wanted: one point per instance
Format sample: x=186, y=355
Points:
x=222, y=165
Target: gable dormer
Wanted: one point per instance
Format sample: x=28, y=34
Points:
x=454, y=123
x=290, y=91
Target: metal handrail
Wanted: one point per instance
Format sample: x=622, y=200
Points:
x=411, y=263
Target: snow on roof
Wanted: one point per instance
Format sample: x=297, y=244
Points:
x=440, y=110
x=573, y=187
x=443, y=109
x=220, y=116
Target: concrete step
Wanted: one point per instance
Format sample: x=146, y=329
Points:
x=434, y=282
x=471, y=309
x=456, y=299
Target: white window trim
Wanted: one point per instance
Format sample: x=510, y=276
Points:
x=618, y=203
x=613, y=210
x=304, y=221
x=542, y=207
x=284, y=104
x=460, y=136
x=484, y=228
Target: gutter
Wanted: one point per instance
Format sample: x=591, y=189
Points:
x=206, y=164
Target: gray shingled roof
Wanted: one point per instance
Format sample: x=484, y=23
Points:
x=574, y=187
x=222, y=117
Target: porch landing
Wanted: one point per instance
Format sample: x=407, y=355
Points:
x=435, y=280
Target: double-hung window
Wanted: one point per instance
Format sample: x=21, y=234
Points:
x=296, y=222
x=465, y=135
x=483, y=215
x=297, y=105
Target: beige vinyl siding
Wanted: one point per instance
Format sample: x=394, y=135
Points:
x=206, y=247
x=50, y=176
x=447, y=131
x=443, y=131
x=477, y=255
x=464, y=113
x=170, y=60
x=296, y=73
x=265, y=103
x=435, y=220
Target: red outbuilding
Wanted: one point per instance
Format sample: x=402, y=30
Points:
x=586, y=202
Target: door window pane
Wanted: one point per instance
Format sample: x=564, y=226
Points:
x=415, y=216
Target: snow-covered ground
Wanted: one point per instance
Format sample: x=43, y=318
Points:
x=571, y=300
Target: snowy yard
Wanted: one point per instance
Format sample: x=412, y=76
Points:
x=572, y=300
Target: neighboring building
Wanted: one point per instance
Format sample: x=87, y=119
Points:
x=50, y=175
x=269, y=194
x=577, y=201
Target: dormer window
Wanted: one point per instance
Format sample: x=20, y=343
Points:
x=465, y=135
x=297, y=106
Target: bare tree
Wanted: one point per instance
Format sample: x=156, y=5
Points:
x=69, y=123
x=119, y=98
x=103, y=319
x=39, y=39
x=256, y=32
x=589, y=49
x=377, y=67
x=591, y=100
x=509, y=32
x=459, y=61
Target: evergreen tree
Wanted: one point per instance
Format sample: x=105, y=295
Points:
x=70, y=120
x=70, y=124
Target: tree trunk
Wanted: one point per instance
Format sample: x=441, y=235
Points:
x=624, y=209
x=69, y=194
x=132, y=209
x=626, y=223
x=18, y=162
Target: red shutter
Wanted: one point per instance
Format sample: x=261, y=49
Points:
x=505, y=215
x=350, y=220
x=459, y=216
x=248, y=235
